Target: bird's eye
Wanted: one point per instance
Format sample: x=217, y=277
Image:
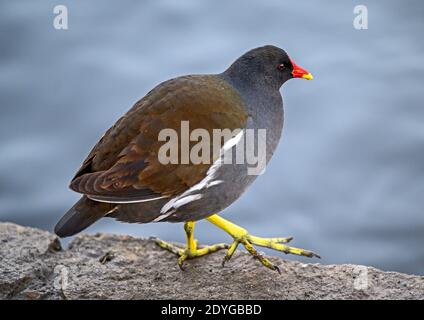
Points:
x=281, y=66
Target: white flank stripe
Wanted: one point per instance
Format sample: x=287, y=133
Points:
x=214, y=183
x=233, y=141
x=178, y=203
x=162, y=216
x=206, y=182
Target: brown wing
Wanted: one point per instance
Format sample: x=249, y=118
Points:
x=124, y=165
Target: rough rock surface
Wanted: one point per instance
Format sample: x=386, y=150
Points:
x=104, y=266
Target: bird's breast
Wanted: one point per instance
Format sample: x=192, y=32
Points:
x=267, y=115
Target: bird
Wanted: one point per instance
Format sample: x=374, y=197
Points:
x=129, y=177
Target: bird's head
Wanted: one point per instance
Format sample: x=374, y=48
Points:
x=267, y=64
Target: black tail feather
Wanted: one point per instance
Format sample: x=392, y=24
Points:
x=83, y=214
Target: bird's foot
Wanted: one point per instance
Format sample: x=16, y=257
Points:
x=242, y=236
x=189, y=252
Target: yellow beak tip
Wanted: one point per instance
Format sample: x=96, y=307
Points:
x=307, y=76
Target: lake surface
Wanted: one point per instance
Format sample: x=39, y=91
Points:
x=348, y=177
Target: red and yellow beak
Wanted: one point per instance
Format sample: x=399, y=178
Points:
x=299, y=72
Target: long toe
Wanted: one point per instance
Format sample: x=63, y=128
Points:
x=257, y=255
x=185, y=254
x=264, y=242
x=169, y=246
x=252, y=250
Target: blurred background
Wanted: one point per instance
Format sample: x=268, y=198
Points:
x=348, y=177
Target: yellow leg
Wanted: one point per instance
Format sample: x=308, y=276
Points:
x=190, y=251
x=241, y=235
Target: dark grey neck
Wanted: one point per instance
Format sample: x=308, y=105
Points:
x=256, y=92
x=244, y=79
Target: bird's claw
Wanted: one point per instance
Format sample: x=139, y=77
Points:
x=248, y=241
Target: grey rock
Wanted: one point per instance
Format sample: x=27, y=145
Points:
x=103, y=266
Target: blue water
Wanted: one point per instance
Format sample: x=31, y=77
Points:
x=348, y=177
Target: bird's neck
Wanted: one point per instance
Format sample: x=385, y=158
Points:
x=244, y=80
x=254, y=90
x=264, y=105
